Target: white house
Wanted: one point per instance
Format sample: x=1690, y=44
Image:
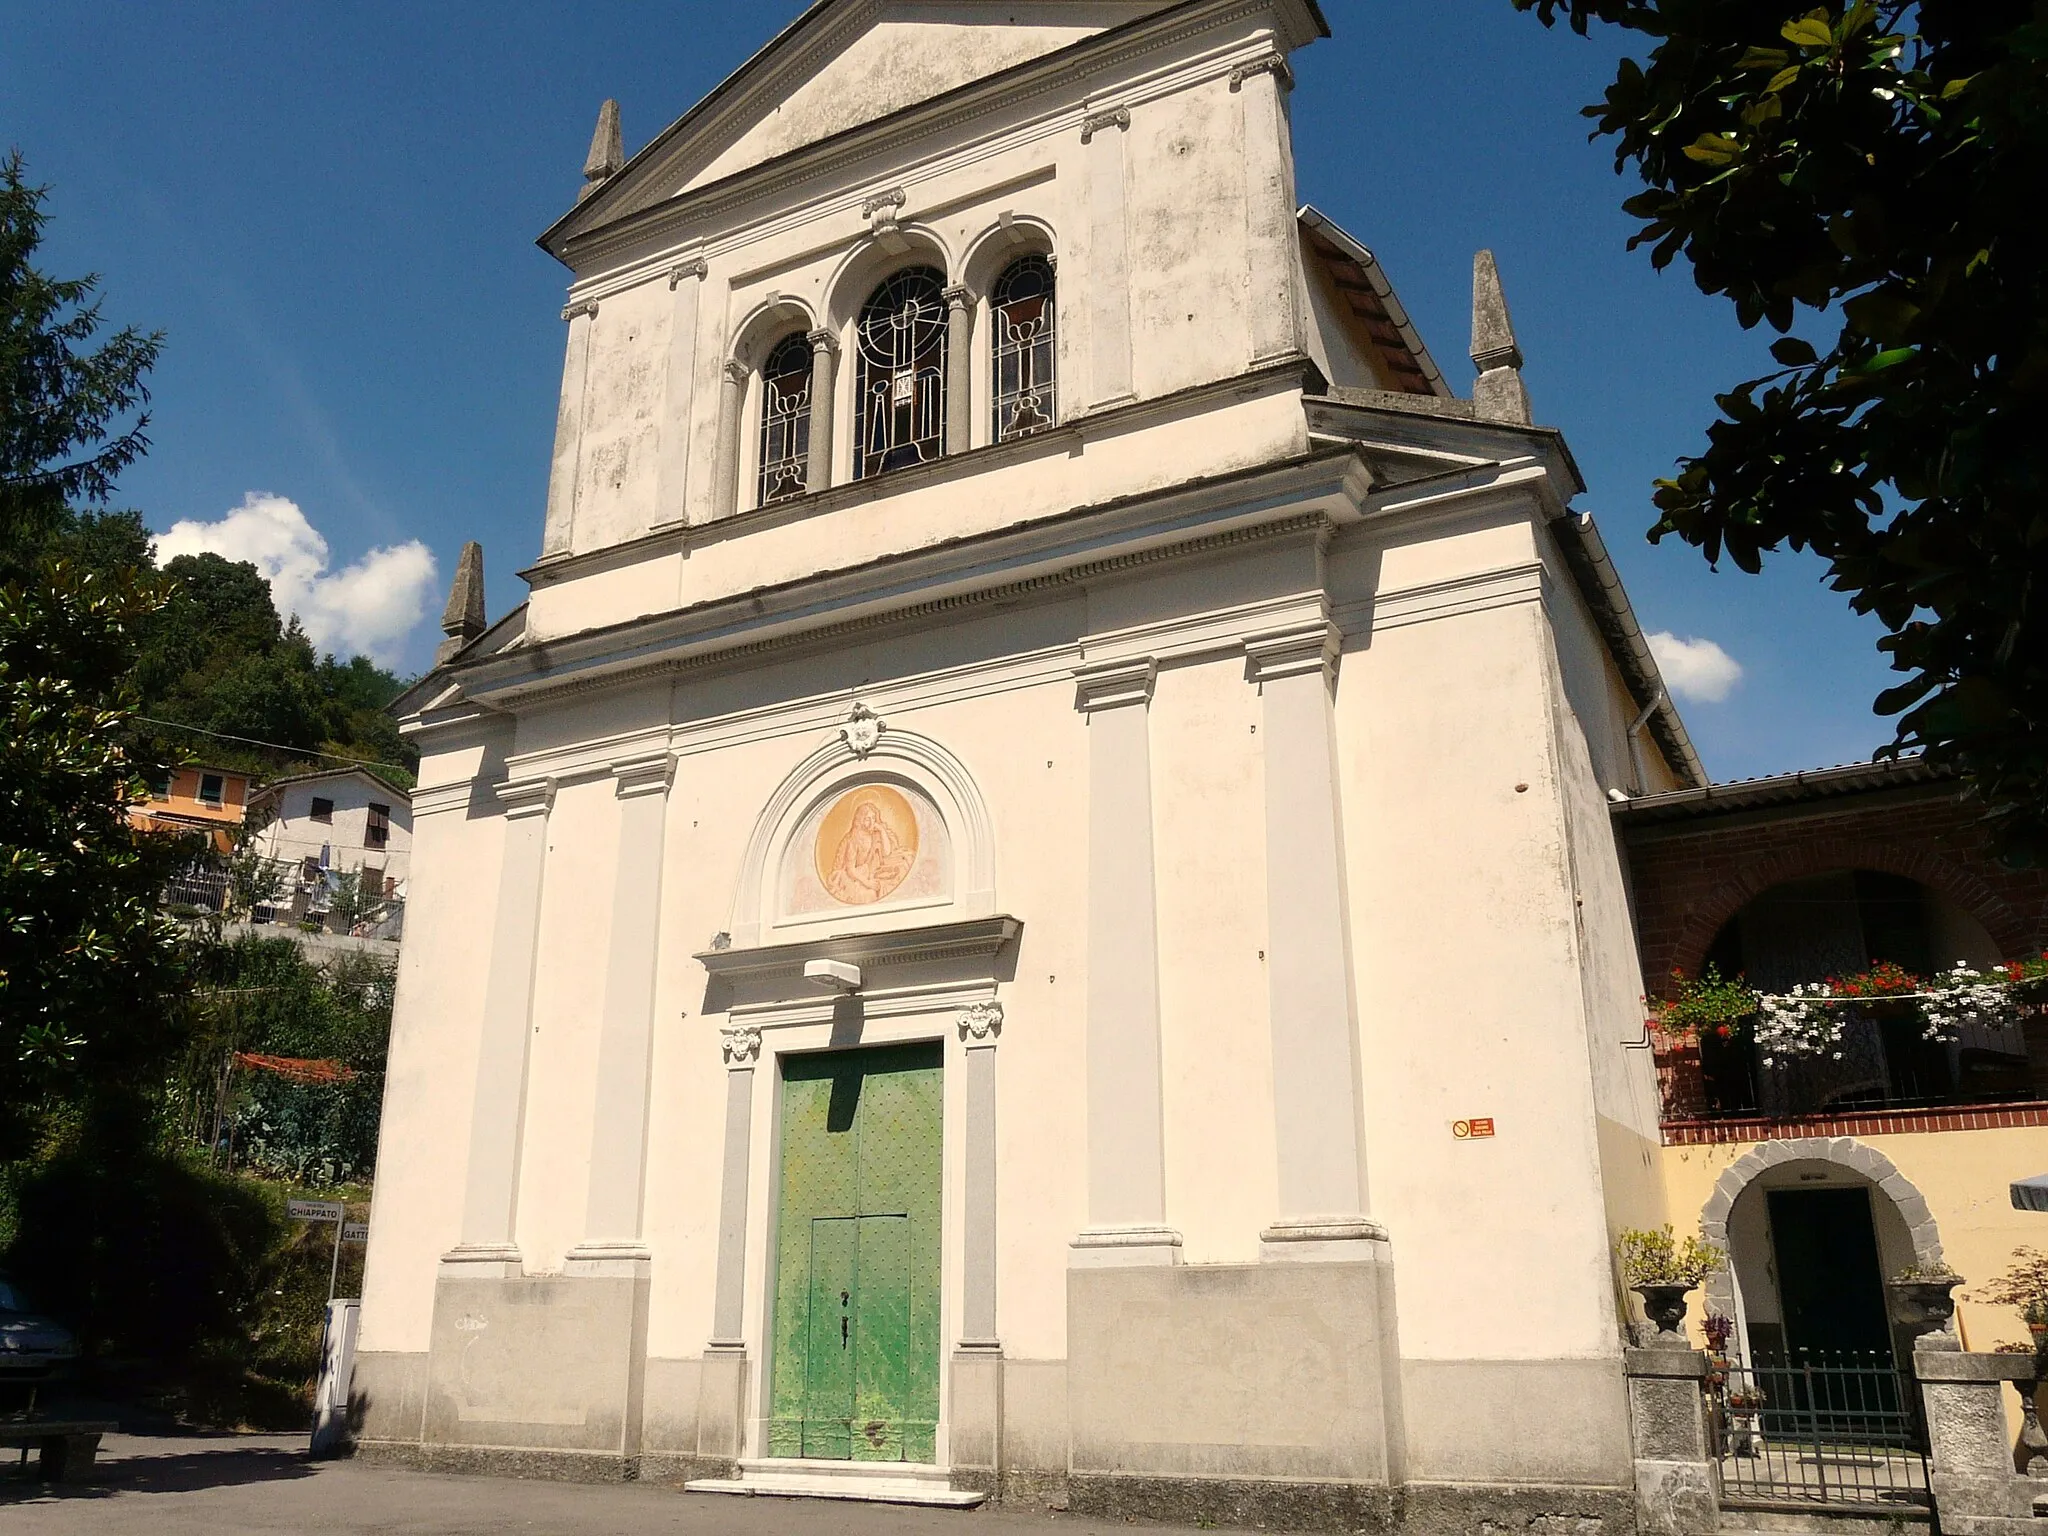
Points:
x=346, y=819
x=1027, y=908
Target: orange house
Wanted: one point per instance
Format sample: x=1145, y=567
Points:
x=197, y=799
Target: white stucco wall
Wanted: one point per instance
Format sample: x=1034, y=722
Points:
x=292, y=835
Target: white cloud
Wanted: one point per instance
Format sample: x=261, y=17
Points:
x=369, y=607
x=1695, y=669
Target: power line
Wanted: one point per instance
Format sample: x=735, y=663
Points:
x=275, y=746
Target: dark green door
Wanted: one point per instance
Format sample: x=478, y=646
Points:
x=1830, y=1285
x=855, y=1368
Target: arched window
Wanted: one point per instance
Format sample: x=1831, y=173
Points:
x=785, y=419
x=1026, y=376
x=900, y=389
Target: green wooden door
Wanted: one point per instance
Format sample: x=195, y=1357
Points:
x=855, y=1366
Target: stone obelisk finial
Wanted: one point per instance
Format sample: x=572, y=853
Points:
x=463, y=619
x=607, y=150
x=1499, y=394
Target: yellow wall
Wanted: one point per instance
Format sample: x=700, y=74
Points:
x=1963, y=1176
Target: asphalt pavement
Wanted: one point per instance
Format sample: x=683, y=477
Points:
x=255, y=1485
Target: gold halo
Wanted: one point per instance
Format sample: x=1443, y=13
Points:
x=894, y=809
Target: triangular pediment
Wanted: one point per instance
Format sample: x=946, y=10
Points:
x=839, y=65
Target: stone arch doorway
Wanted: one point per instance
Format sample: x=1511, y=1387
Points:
x=1813, y=1229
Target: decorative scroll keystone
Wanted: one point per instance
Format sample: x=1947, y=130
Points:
x=894, y=197
x=861, y=731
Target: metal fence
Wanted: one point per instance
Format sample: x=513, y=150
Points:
x=1816, y=1427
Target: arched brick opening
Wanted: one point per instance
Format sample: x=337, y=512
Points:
x=1708, y=916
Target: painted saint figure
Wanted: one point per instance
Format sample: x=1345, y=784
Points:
x=870, y=861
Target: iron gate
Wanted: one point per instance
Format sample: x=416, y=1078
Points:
x=1818, y=1427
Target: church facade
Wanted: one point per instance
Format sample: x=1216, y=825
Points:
x=1027, y=909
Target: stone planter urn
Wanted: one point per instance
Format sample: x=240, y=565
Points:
x=1922, y=1307
x=1664, y=1305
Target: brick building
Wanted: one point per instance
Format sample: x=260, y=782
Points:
x=1894, y=1149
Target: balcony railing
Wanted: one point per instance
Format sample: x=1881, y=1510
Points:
x=1883, y=1061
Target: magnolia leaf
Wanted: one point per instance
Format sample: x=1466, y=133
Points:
x=1793, y=352
x=1763, y=58
x=1810, y=31
x=1887, y=359
x=1714, y=149
x=1783, y=78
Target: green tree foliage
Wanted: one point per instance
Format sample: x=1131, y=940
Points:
x=217, y=657
x=60, y=406
x=87, y=963
x=1879, y=164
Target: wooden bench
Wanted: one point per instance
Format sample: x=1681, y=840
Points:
x=66, y=1447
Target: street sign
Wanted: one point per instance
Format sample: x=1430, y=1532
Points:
x=316, y=1210
x=355, y=1232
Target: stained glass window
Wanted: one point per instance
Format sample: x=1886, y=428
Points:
x=1026, y=378
x=900, y=386
x=785, y=419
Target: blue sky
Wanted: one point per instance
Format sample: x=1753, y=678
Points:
x=331, y=212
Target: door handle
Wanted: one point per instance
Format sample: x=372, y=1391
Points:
x=842, y=1333
x=844, y=1298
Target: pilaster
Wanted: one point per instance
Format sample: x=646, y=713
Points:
x=732, y=400
x=562, y=473
x=1109, y=287
x=1315, y=1066
x=618, y=1146
x=679, y=393
x=1126, y=1119
x=498, y=1111
x=721, y=1405
x=1272, y=243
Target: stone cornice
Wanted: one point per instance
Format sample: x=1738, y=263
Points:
x=977, y=939
x=1069, y=549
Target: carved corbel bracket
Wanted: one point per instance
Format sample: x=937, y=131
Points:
x=980, y=1024
x=741, y=1044
x=1272, y=64
x=1095, y=122
x=580, y=308
x=698, y=268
